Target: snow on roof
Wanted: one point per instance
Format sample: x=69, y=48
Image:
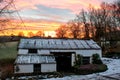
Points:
x=23, y=59
x=58, y=44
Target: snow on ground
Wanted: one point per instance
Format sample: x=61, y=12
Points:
x=113, y=68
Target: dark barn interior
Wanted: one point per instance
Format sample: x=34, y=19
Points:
x=37, y=68
x=63, y=60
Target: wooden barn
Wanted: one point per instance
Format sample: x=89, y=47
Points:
x=49, y=55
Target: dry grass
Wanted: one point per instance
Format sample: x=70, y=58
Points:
x=8, y=50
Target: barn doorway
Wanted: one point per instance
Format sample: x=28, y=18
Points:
x=63, y=60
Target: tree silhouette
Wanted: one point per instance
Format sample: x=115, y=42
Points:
x=4, y=9
x=82, y=18
x=74, y=28
x=21, y=34
x=40, y=33
x=30, y=34
x=62, y=31
x=105, y=20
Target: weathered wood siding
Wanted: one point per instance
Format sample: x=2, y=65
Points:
x=48, y=67
x=23, y=51
x=24, y=68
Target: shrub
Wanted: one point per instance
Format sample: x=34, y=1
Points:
x=96, y=59
x=7, y=71
x=90, y=68
x=6, y=67
x=78, y=60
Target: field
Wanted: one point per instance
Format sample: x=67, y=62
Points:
x=8, y=53
x=8, y=50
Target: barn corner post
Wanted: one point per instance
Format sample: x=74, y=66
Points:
x=91, y=60
x=73, y=59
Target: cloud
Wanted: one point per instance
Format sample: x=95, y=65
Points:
x=24, y=4
x=59, y=10
x=39, y=24
x=73, y=5
x=55, y=13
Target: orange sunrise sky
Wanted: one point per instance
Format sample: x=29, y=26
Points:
x=46, y=15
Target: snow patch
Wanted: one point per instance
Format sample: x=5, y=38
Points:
x=113, y=68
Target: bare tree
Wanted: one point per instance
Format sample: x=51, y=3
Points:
x=74, y=28
x=117, y=10
x=80, y=24
x=106, y=21
x=4, y=6
x=61, y=32
x=83, y=18
x=4, y=9
x=100, y=19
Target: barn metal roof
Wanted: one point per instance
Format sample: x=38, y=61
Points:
x=59, y=44
x=29, y=59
